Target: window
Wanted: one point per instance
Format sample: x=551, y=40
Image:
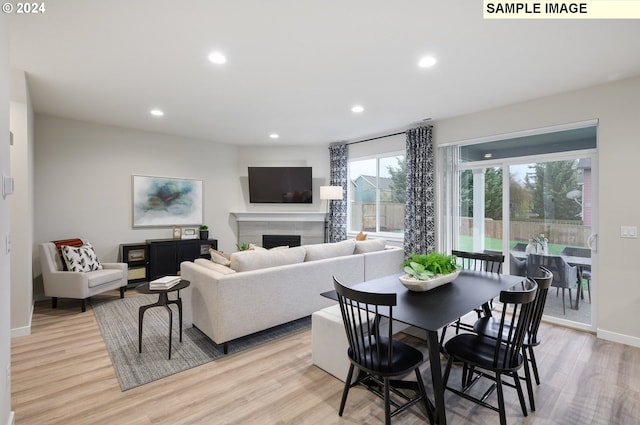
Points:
x=377, y=190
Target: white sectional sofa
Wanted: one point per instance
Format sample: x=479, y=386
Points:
x=263, y=289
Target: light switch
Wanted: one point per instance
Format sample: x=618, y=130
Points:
x=628, y=231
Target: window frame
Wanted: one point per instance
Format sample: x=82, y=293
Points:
x=391, y=236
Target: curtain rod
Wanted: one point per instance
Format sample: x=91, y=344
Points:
x=375, y=138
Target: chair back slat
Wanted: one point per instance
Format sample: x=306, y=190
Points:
x=361, y=313
x=480, y=261
x=515, y=319
x=544, y=278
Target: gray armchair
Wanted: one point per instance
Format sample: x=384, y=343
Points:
x=78, y=285
x=564, y=275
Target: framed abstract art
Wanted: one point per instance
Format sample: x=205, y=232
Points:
x=166, y=201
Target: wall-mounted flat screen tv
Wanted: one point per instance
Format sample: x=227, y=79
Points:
x=281, y=185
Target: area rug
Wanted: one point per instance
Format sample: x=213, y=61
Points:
x=118, y=322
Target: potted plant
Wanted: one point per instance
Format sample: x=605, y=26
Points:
x=204, y=232
x=427, y=271
x=242, y=246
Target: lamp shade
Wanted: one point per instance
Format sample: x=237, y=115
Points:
x=331, y=192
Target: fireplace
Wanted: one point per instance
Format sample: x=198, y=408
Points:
x=271, y=241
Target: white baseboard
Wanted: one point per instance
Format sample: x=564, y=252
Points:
x=619, y=338
x=24, y=330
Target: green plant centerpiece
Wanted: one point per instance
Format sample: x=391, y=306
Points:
x=428, y=271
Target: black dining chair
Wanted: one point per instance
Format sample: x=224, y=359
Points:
x=489, y=326
x=584, y=272
x=478, y=261
x=378, y=357
x=494, y=358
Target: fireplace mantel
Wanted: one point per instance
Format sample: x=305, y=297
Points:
x=279, y=216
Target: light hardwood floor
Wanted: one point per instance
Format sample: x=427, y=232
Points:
x=62, y=374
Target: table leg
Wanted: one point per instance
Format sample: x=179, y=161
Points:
x=141, y=311
x=179, y=302
x=170, y=327
x=436, y=376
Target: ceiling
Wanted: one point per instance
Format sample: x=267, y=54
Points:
x=297, y=67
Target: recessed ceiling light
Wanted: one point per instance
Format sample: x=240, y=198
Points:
x=156, y=112
x=427, y=62
x=488, y=155
x=274, y=136
x=357, y=109
x=217, y=58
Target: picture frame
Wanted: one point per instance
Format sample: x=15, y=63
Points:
x=177, y=232
x=190, y=233
x=166, y=201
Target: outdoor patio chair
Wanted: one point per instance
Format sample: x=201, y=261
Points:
x=584, y=272
x=565, y=276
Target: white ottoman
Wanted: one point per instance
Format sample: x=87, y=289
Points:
x=329, y=343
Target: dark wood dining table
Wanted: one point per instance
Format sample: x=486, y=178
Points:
x=434, y=309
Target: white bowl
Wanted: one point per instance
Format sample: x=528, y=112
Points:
x=418, y=285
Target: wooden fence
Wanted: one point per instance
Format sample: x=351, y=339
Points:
x=363, y=217
x=562, y=232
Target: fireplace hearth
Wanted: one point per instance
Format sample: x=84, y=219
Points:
x=272, y=241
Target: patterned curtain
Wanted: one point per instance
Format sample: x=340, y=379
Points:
x=419, y=218
x=337, y=226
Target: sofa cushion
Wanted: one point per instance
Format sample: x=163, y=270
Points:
x=329, y=250
x=103, y=276
x=252, y=260
x=81, y=259
x=214, y=266
x=370, y=245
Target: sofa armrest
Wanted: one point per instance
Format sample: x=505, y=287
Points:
x=118, y=266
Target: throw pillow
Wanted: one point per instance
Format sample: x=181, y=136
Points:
x=223, y=270
x=219, y=257
x=81, y=259
x=370, y=245
x=61, y=265
x=245, y=261
x=254, y=247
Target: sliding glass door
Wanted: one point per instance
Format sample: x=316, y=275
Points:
x=536, y=209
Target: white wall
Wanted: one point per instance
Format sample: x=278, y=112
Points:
x=617, y=107
x=83, y=181
x=6, y=415
x=21, y=206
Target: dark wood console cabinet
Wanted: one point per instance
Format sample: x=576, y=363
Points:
x=165, y=255
x=155, y=258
